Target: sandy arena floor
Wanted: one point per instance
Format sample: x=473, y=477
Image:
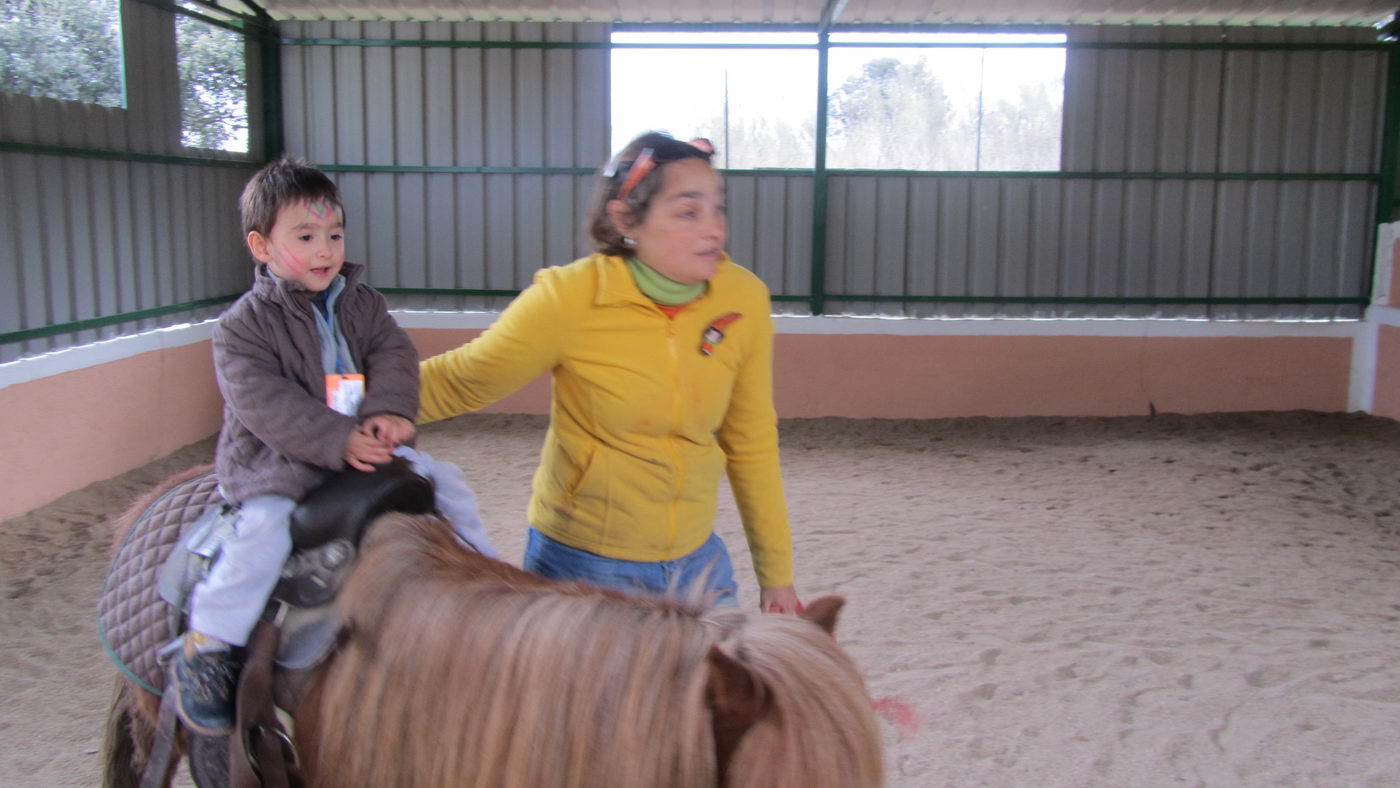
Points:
x=1203, y=600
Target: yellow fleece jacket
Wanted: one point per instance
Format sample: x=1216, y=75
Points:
x=643, y=422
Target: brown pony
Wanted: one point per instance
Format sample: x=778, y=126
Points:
x=460, y=670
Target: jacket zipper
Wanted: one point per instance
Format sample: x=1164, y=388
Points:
x=675, y=428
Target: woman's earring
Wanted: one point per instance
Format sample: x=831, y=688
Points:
x=627, y=239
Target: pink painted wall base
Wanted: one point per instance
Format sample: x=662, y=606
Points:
x=1387, y=401
x=79, y=427
x=87, y=425
x=926, y=377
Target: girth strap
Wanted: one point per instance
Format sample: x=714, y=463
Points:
x=261, y=754
x=160, y=765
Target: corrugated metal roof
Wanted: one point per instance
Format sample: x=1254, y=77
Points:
x=901, y=12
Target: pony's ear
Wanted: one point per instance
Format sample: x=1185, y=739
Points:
x=733, y=693
x=736, y=699
x=824, y=612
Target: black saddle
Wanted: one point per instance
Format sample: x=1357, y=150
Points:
x=328, y=523
x=347, y=502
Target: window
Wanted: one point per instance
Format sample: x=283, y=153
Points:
x=213, y=85
x=943, y=101
x=757, y=105
x=963, y=107
x=62, y=49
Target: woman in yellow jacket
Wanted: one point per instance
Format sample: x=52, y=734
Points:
x=661, y=354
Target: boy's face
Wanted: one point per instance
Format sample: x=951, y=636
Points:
x=306, y=244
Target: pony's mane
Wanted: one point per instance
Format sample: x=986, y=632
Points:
x=462, y=670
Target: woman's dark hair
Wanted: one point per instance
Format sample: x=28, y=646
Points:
x=282, y=182
x=653, y=150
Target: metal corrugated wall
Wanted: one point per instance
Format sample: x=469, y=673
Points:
x=1300, y=129
x=770, y=231
x=1188, y=173
x=88, y=239
x=464, y=168
x=533, y=112
x=101, y=214
x=982, y=245
x=1140, y=211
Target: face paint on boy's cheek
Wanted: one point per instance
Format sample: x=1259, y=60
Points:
x=289, y=260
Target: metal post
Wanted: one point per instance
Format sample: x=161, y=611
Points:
x=1390, y=145
x=270, y=59
x=274, y=136
x=981, y=109
x=817, y=302
x=1390, y=148
x=726, y=118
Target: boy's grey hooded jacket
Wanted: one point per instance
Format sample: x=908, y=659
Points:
x=279, y=436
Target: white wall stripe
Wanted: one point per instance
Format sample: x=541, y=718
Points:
x=103, y=352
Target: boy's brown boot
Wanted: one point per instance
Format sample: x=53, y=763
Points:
x=204, y=684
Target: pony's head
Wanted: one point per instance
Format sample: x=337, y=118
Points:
x=460, y=670
x=788, y=705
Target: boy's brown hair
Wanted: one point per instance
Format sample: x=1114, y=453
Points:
x=280, y=183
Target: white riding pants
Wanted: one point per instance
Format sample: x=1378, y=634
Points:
x=454, y=498
x=226, y=605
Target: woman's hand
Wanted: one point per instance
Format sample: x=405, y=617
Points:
x=782, y=599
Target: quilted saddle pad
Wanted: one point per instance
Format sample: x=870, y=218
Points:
x=133, y=621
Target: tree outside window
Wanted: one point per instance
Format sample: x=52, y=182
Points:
x=62, y=49
x=71, y=50
x=213, y=85
x=957, y=108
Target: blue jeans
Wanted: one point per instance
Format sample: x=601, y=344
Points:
x=707, y=567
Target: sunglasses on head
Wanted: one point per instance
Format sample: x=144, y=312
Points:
x=646, y=162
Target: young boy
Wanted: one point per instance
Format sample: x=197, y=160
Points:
x=316, y=377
